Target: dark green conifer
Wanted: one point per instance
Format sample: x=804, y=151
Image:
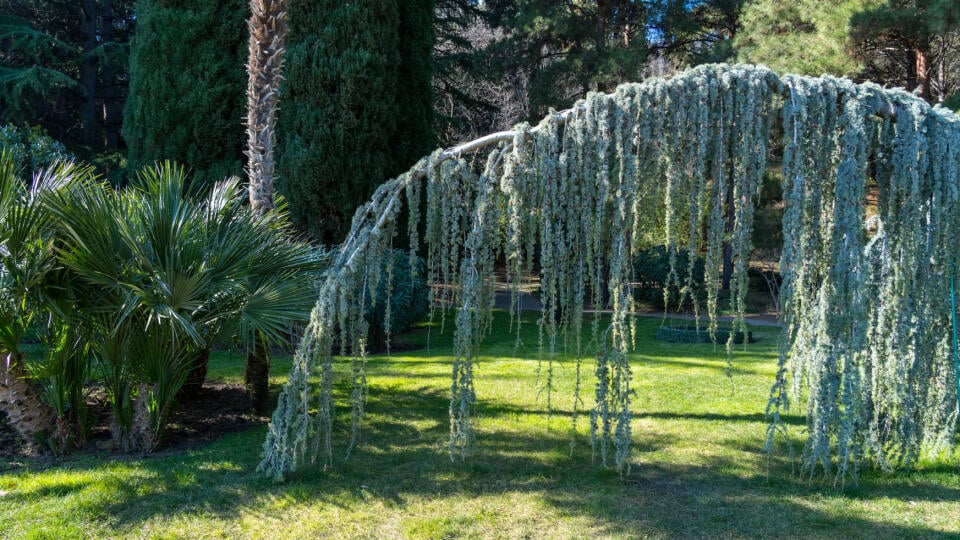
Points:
x=356, y=105
x=187, y=86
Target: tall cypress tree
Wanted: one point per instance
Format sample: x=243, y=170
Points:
x=356, y=105
x=187, y=85
x=415, y=135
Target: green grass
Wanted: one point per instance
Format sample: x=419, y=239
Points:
x=698, y=466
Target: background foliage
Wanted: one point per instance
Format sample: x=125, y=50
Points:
x=356, y=105
x=187, y=85
x=63, y=66
x=30, y=149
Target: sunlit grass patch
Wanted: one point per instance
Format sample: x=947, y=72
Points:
x=697, y=465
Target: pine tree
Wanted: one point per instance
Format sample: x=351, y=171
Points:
x=187, y=86
x=905, y=43
x=355, y=107
x=806, y=37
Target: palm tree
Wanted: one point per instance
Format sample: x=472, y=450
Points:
x=31, y=296
x=268, y=31
x=164, y=272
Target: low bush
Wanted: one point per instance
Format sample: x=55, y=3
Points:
x=31, y=149
x=651, y=274
x=407, y=294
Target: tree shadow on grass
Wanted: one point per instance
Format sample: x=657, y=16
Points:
x=404, y=456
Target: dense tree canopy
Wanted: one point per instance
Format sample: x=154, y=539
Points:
x=63, y=66
x=905, y=43
x=807, y=37
x=912, y=43
x=356, y=105
x=187, y=83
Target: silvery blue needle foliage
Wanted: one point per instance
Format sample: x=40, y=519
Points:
x=865, y=352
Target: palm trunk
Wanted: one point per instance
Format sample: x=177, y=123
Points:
x=257, y=376
x=268, y=29
x=143, y=434
x=33, y=419
x=198, y=374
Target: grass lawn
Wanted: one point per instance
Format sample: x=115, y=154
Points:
x=698, y=466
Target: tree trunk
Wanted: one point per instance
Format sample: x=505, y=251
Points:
x=143, y=435
x=112, y=112
x=257, y=376
x=198, y=374
x=922, y=67
x=88, y=72
x=603, y=14
x=268, y=29
x=33, y=419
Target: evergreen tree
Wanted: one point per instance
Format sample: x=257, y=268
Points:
x=807, y=36
x=187, y=86
x=415, y=134
x=913, y=44
x=865, y=350
x=500, y=62
x=62, y=66
x=570, y=48
x=356, y=105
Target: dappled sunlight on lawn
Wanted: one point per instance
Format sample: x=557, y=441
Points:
x=697, y=466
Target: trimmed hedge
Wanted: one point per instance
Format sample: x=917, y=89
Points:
x=691, y=334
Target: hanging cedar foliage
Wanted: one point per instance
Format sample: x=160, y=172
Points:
x=670, y=162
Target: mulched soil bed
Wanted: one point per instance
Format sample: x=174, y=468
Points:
x=219, y=408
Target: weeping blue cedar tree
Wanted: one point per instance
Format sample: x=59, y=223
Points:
x=865, y=349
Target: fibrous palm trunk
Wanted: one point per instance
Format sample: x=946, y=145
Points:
x=143, y=434
x=257, y=376
x=33, y=419
x=197, y=375
x=268, y=30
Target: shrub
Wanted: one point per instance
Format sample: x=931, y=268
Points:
x=356, y=105
x=407, y=293
x=31, y=149
x=162, y=271
x=187, y=86
x=143, y=281
x=651, y=270
x=952, y=102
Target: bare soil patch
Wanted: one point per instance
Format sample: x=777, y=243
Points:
x=219, y=408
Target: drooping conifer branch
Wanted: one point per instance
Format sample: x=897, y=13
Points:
x=680, y=162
